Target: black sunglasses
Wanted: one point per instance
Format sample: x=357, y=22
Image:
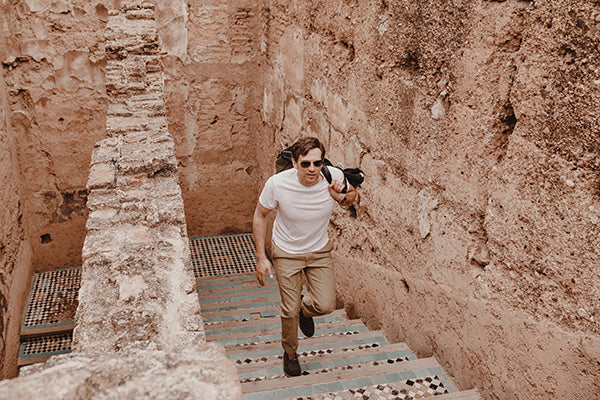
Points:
x=306, y=164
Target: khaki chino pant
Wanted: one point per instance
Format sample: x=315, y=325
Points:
x=320, y=287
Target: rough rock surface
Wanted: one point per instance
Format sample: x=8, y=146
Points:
x=213, y=99
x=53, y=67
x=15, y=250
x=475, y=235
x=138, y=330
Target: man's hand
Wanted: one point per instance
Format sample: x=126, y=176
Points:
x=263, y=267
x=335, y=190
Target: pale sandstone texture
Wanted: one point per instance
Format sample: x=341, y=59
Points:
x=15, y=251
x=475, y=236
x=54, y=72
x=213, y=101
x=139, y=332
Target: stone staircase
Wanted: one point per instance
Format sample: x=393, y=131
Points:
x=343, y=360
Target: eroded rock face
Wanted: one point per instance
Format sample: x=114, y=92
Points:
x=213, y=96
x=54, y=72
x=15, y=251
x=476, y=123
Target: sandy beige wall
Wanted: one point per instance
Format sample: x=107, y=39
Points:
x=15, y=252
x=213, y=109
x=54, y=73
x=475, y=237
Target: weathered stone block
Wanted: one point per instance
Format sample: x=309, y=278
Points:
x=102, y=176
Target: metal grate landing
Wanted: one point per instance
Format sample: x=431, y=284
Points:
x=38, y=349
x=53, y=298
x=223, y=255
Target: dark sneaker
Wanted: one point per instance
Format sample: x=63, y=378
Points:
x=307, y=325
x=291, y=366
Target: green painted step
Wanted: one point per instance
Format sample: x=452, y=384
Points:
x=236, y=292
x=397, y=352
x=256, y=352
x=247, y=313
x=261, y=324
x=326, y=355
x=238, y=299
x=344, y=379
x=230, y=281
x=341, y=327
x=426, y=387
x=326, y=325
x=239, y=305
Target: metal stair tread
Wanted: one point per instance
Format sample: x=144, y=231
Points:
x=230, y=280
x=237, y=292
x=273, y=331
x=263, y=321
x=332, y=356
x=236, y=350
x=338, y=375
x=324, y=329
x=216, y=289
x=227, y=277
x=239, y=304
x=236, y=312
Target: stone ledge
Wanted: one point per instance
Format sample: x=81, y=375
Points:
x=148, y=374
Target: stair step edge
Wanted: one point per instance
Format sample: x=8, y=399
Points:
x=262, y=321
x=221, y=315
x=329, y=360
x=253, y=326
x=243, y=351
x=275, y=335
x=240, y=292
x=359, y=376
x=319, y=327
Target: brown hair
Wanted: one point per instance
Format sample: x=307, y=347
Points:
x=306, y=144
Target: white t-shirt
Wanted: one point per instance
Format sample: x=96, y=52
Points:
x=303, y=212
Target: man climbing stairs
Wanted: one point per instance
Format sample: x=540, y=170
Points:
x=343, y=360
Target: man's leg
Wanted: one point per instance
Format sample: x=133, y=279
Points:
x=320, y=284
x=288, y=270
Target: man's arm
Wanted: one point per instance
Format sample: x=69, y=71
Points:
x=259, y=231
x=345, y=199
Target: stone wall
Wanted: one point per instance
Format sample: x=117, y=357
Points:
x=54, y=73
x=475, y=236
x=138, y=330
x=54, y=68
x=15, y=251
x=213, y=102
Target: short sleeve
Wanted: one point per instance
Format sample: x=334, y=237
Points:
x=337, y=174
x=267, y=196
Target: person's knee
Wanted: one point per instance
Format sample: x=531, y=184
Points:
x=325, y=306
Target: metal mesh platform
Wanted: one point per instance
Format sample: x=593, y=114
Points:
x=45, y=346
x=53, y=298
x=223, y=255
